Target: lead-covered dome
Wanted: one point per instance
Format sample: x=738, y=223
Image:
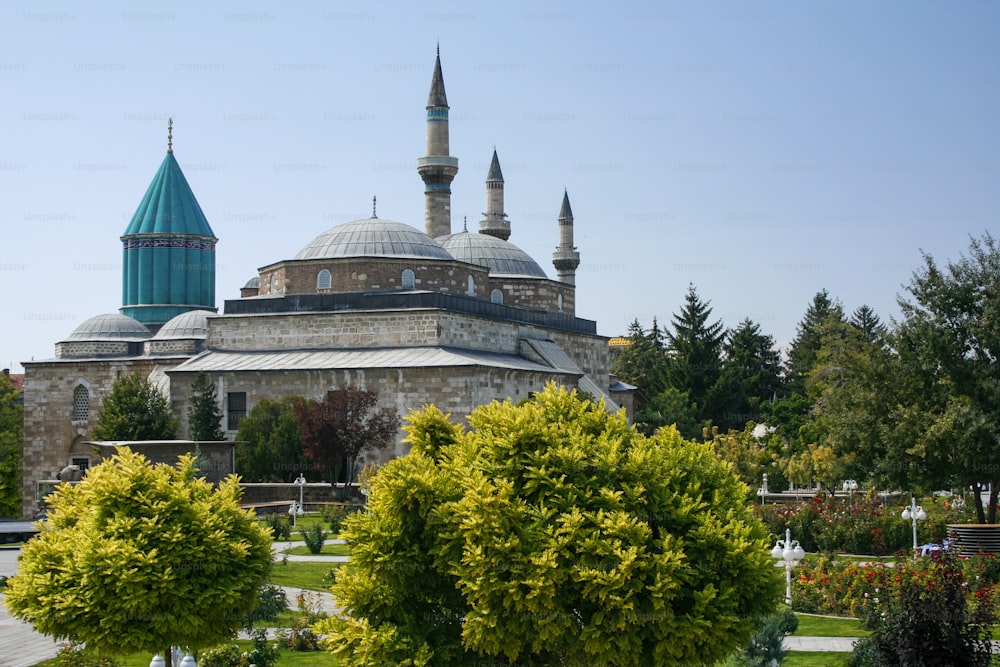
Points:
x=192, y=324
x=499, y=256
x=110, y=326
x=374, y=237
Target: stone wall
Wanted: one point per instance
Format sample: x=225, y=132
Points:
x=51, y=437
x=536, y=294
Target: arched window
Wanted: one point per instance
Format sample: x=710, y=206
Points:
x=496, y=296
x=81, y=403
x=409, y=281
x=272, y=287
x=324, y=280
x=471, y=289
x=559, y=302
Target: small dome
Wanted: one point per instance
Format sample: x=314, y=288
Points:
x=253, y=283
x=192, y=324
x=110, y=326
x=499, y=256
x=373, y=237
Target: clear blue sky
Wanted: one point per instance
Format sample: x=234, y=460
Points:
x=759, y=150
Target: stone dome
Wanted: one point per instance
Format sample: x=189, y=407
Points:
x=253, y=283
x=374, y=237
x=110, y=326
x=192, y=324
x=499, y=256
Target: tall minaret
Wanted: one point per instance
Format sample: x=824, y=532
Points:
x=495, y=222
x=437, y=168
x=566, y=258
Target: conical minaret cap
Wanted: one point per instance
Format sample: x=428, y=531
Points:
x=437, y=96
x=565, y=212
x=494, y=175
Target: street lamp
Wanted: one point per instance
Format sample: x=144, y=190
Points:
x=763, y=491
x=790, y=552
x=295, y=511
x=915, y=513
x=300, y=481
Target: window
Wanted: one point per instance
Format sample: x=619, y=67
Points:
x=236, y=409
x=81, y=462
x=471, y=289
x=323, y=280
x=81, y=403
x=559, y=302
x=409, y=280
x=496, y=296
x=272, y=285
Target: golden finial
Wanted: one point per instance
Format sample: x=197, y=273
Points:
x=170, y=135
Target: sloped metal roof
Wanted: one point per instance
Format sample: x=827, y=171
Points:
x=389, y=357
x=559, y=360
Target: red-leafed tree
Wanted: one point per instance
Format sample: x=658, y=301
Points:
x=345, y=424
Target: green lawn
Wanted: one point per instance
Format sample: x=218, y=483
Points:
x=822, y=626
x=328, y=550
x=816, y=659
x=312, y=576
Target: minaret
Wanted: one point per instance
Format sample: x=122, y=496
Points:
x=495, y=222
x=566, y=258
x=168, y=249
x=437, y=168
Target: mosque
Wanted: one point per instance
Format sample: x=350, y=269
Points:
x=454, y=319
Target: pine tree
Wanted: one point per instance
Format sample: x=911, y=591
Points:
x=868, y=324
x=204, y=414
x=802, y=356
x=694, y=363
x=751, y=371
x=642, y=362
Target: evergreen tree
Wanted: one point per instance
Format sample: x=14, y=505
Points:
x=204, y=414
x=694, y=362
x=642, y=362
x=868, y=324
x=802, y=355
x=751, y=370
x=135, y=410
x=11, y=448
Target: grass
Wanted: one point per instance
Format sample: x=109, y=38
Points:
x=328, y=550
x=822, y=626
x=311, y=576
x=816, y=659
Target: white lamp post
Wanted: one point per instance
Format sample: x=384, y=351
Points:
x=914, y=513
x=157, y=661
x=300, y=481
x=790, y=552
x=763, y=491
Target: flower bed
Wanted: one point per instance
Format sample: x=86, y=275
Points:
x=850, y=588
x=861, y=525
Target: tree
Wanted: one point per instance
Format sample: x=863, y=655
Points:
x=868, y=324
x=694, y=363
x=204, y=414
x=802, y=355
x=135, y=410
x=138, y=557
x=273, y=451
x=751, y=368
x=11, y=443
x=551, y=533
x=643, y=361
x=949, y=345
x=346, y=423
